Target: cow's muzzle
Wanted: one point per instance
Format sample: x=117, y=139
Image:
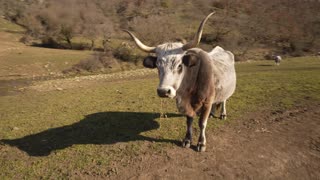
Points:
x=166, y=92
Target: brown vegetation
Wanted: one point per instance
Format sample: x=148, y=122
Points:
x=98, y=62
x=284, y=27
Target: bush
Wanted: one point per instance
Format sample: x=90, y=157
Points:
x=218, y=4
x=125, y=53
x=239, y=57
x=269, y=56
x=49, y=42
x=208, y=38
x=26, y=39
x=165, y=3
x=98, y=62
x=156, y=29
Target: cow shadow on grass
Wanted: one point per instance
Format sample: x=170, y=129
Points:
x=97, y=128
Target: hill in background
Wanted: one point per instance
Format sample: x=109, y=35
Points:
x=251, y=29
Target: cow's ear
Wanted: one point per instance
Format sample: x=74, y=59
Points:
x=189, y=60
x=150, y=62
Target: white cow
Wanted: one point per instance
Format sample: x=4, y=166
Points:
x=277, y=60
x=198, y=80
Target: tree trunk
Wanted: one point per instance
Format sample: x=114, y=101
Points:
x=104, y=44
x=69, y=42
x=92, y=44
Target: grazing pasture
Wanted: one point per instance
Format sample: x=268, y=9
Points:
x=21, y=61
x=114, y=126
x=104, y=126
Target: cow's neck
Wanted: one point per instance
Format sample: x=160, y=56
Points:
x=195, y=87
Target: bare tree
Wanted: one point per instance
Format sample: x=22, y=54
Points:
x=290, y=26
x=53, y=21
x=155, y=29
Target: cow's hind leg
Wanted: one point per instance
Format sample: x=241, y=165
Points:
x=223, y=114
x=214, y=107
x=188, y=139
x=213, y=110
x=202, y=124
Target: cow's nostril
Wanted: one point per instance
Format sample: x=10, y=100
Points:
x=162, y=92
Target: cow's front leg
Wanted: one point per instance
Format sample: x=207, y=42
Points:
x=188, y=139
x=202, y=124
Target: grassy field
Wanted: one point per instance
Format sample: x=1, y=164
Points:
x=18, y=60
x=84, y=131
x=87, y=128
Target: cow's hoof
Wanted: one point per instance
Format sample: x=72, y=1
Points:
x=223, y=117
x=201, y=147
x=186, y=143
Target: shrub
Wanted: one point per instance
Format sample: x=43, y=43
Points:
x=98, y=62
x=165, y=3
x=125, y=53
x=156, y=29
x=26, y=39
x=49, y=42
x=208, y=38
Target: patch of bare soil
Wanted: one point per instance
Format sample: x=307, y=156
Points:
x=11, y=87
x=43, y=84
x=262, y=145
x=85, y=81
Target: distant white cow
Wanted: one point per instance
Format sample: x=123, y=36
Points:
x=277, y=60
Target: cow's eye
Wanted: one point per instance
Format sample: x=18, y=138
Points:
x=180, y=68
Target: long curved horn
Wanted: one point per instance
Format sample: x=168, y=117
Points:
x=198, y=35
x=140, y=44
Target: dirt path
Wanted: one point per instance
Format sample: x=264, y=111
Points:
x=264, y=145
x=82, y=81
x=13, y=86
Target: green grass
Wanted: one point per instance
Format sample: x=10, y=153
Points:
x=6, y=25
x=29, y=61
x=18, y=60
x=83, y=131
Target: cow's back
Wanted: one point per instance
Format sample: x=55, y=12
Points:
x=222, y=56
x=224, y=73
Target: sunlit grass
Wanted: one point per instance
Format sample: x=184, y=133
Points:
x=6, y=25
x=61, y=134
